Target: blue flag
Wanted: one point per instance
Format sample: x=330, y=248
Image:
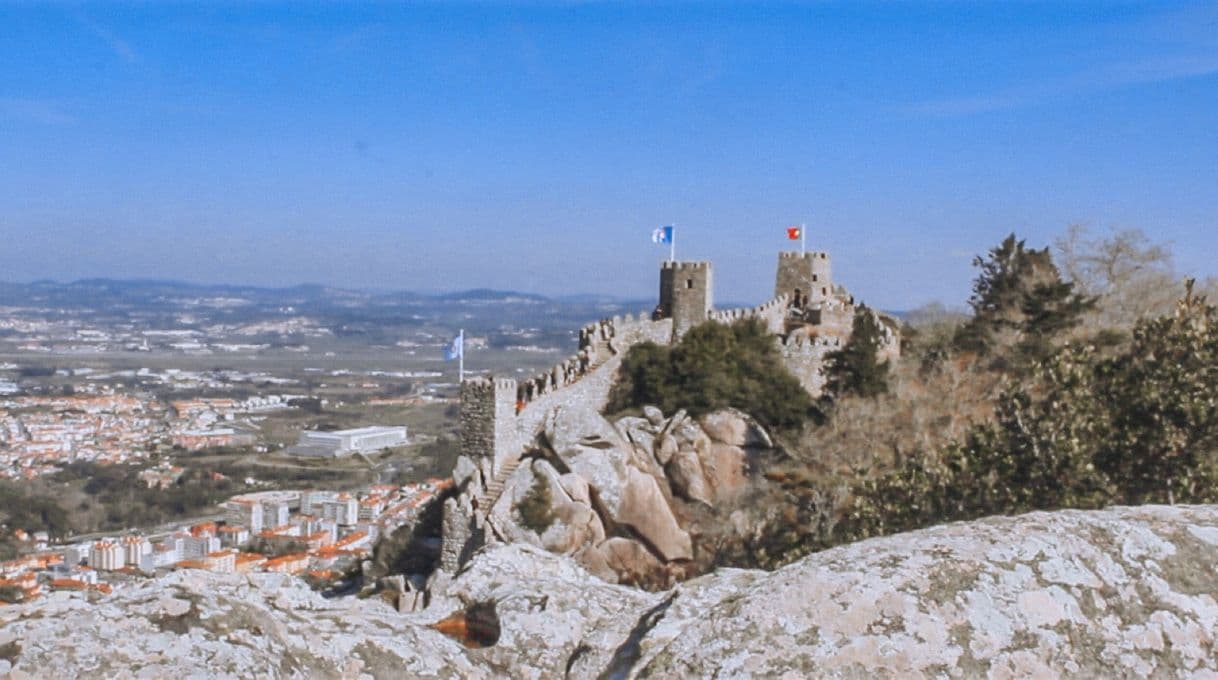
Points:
x=456, y=349
x=662, y=235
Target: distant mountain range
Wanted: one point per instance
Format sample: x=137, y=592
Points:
x=310, y=298
x=16, y=292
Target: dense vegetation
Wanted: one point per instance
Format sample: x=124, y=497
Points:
x=715, y=366
x=1084, y=430
x=1065, y=403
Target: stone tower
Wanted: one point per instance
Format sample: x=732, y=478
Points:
x=488, y=419
x=805, y=277
x=685, y=294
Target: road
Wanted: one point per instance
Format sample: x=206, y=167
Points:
x=160, y=532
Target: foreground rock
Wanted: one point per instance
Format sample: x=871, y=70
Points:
x=1116, y=593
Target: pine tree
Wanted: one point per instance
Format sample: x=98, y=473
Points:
x=856, y=368
x=1020, y=305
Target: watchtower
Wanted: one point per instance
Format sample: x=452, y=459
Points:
x=685, y=294
x=806, y=277
x=488, y=419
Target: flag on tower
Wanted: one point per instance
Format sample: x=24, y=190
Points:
x=455, y=349
x=662, y=235
x=794, y=233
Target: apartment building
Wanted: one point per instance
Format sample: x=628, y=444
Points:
x=106, y=556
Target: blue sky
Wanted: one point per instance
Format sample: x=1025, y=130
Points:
x=534, y=146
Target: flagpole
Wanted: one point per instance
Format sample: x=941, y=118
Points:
x=672, y=245
x=461, y=357
x=803, y=238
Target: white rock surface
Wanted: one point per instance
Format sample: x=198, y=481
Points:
x=1127, y=592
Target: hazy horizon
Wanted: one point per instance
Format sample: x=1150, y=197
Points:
x=534, y=146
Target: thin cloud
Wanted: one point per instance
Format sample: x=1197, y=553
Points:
x=1145, y=72
x=116, y=44
x=41, y=111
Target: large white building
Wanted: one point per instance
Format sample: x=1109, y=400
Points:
x=246, y=513
x=195, y=547
x=106, y=556
x=134, y=549
x=275, y=513
x=343, y=509
x=164, y=554
x=341, y=443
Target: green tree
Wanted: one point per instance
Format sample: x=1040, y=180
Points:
x=715, y=366
x=1165, y=427
x=856, y=368
x=1020, y=305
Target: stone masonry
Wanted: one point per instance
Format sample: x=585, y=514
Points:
x=685, y=294
x=806, y=278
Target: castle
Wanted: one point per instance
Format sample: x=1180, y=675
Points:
x=501, y=418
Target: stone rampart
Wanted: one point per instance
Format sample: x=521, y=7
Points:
x=833, y=317
x=772, y=313
x=503, y=417
x=804, y=357
x=460, y=535
x=890, y=339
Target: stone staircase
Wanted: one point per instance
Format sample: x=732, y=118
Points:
x=494, y=488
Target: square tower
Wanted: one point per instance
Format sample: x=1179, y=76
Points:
x=685, y=294
x=806, y=277
x=488, y=419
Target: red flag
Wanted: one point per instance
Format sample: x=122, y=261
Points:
x=793, y=233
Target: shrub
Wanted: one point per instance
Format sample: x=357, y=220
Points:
x=534, y=508
x=715, y=366
x=1083, y=430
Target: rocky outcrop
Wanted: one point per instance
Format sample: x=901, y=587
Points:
x=613, y=487
x=1119, y=593
x=1127, y=592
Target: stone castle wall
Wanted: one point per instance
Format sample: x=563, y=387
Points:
x=804, y=357
x=773, y=314
x=503, y=416
x=833, y=317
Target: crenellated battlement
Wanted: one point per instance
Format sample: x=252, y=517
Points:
x=691, y=265
x=598, y=342
x=814, y=343
x=772, y=313
x=819, y=254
